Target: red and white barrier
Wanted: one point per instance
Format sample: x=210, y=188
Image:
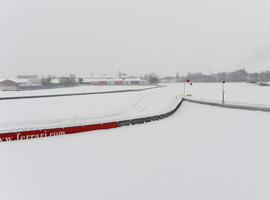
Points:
x=55, y=131
x=48, y=132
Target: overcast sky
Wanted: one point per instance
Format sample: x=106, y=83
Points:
x=138, y=36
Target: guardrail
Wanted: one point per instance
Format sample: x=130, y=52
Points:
x=31, y=134
x=232, y=105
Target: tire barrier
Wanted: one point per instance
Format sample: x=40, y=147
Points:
x=149, y=119
x=76, y=94
x=31, y=134
x=230, y=105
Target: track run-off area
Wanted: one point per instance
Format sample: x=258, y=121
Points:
x=62, y=114
x=137, y=112
x=199, y=152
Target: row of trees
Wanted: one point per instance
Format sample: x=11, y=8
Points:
x=151, y=78
x=236, y=76
x=63, y=81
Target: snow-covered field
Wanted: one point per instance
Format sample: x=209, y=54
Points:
x=234, y=92
x=201, y=152
x=79, y=89
x=73, y=110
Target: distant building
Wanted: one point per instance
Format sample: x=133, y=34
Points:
x=55, y=81
x=8, y=85
x=133, y=81
x=27, y=77
x=118, y=81
x=112, y=80
x=29, y=81
x=95, y=81
x=22, y=82
x=101, y=82
x=36, y=82
x=14, y=84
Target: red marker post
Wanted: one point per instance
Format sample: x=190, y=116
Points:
x=184, y=92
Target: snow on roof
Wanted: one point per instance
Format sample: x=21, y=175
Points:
x=118, y=79
x=94, y=79
x=55, y=80
x=2, y=79
x=15, y=80
x=133, y=79
x=108, y=77
x=20, y=80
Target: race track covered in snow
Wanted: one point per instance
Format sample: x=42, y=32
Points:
x=27, y=114
x=74, y=90
x=201, y=152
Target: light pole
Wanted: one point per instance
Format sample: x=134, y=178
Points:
x=223, y=92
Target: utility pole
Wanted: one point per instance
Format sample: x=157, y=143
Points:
x=223, y=92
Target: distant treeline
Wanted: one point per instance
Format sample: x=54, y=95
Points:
x=151, y=78
x=63, y=81
x=236, y=76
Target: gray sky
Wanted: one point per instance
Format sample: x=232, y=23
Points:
x=138, y=36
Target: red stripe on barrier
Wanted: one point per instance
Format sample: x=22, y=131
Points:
x=55, y=131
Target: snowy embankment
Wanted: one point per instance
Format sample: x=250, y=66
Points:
x=201, y=152
x=32, y=114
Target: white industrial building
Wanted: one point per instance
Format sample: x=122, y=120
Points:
x=112, y=80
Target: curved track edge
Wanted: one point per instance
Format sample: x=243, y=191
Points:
x=77, y=94
x=230, y=105
x=32, y=134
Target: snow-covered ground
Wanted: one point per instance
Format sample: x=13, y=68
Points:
x=201, y=152
x=234, y=92
x=79, y=89
x=74, y=110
